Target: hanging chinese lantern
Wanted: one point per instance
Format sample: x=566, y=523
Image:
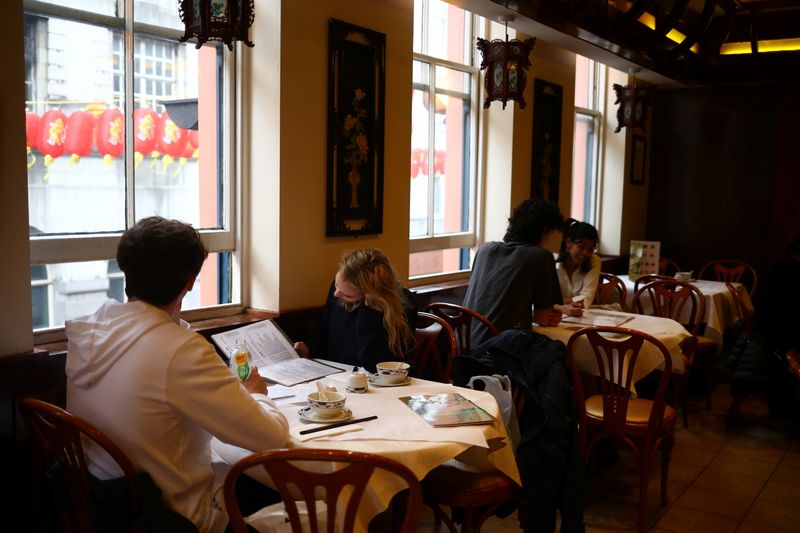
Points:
x=505, y=63
x=171, y=140
x=145, y=128
x=78, y=136
x=32, y=124
x=632, y=110
x=51, y=135
x=110, y=136
x=217, y=20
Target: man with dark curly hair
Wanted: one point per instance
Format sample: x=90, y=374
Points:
x=513, y=277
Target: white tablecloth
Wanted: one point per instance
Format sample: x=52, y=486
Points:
x=400, y=434
x=666, y=330
x=721, y=309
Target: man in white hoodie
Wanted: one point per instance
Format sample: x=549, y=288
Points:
x=158, y=390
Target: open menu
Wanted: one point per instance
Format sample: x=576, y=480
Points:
x=448, y=409
x=273, y=354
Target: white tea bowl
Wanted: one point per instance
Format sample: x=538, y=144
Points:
x=392, y=371
x=328, y=408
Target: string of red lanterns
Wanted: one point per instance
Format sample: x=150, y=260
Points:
x=55, y=134
x=419, y=162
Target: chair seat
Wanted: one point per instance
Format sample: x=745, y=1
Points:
x=448, y=485
x=638, y=411
x=704, y=342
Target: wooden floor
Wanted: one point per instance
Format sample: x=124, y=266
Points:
x=746, y=479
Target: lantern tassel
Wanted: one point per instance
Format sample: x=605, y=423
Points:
x=181, y=164
x=166, y=161
x=74, y=158
x=31, y=158
x=138, y=158
x=108, y=159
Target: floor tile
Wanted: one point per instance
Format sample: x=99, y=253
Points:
x=780, y=493
x=787, y=475
x=716, y=501
x=685, y=520
x=791, y=458
x=762, y=449
x=730, y=482
x=752, y=527
x=774, y=514
x=742, y=465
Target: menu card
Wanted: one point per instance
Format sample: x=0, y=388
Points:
x=273, y=354
x=449, y=409
x=645, y=256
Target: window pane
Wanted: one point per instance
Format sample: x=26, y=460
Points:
x=452, y=80
x=163, y=13
x=447, y=34
x=583, y=167
x=71, y=187
x=420, y=169
x=583, y=89
x=452, y=190
x=439, y=262
x=102, y=7
x=172, y=179
x=65, y=291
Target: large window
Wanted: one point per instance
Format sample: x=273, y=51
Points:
x=443, y=138
x=586, y=153
x=123, y=121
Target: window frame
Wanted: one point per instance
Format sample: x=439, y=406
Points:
x=91, y=246
x=597, y=77
x=461, y=239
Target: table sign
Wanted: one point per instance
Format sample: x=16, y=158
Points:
x=644, y=258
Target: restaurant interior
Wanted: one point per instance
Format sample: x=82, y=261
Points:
x=718, y=180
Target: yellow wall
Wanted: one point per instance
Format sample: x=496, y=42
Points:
x=288, y=201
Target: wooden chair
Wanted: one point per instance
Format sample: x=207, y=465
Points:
x=670, y=298
x=731, y=270
x=668, y=267
x=59, y=438
x=645, y=279
x=745, y=313
x=460, y=319
x=611, y=290
x=289, y=471
x=645, y=426
x=436, y=346
x=793, y=361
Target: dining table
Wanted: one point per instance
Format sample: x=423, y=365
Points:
x=721, y=309
x=666, y=330
x=397, y=433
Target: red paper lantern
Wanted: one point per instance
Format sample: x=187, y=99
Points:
x=414, y=163
x=51, y=135
x=79, y=133
x=438, y=163
x=110, y=137
x=145, y=128
x=171, y=138
x=32, y=124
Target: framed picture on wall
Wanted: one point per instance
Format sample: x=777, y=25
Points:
x=638, y=160
x=356, y=92
x=547, y=99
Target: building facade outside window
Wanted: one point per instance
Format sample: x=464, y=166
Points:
x=443, y=138
x=104, y=151
x=587, y=149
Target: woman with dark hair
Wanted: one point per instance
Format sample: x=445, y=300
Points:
x=577, y=266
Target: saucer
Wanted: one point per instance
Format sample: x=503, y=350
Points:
x=357, y=390
x=308, y=415
x=378, y=382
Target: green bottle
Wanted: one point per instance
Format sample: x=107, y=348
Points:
x=241, y=358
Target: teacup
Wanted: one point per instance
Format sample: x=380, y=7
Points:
x=328, y=408
x=684, y=276
x=392, y=371
x=357, y=382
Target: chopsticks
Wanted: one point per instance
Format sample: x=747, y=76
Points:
x=337, y=424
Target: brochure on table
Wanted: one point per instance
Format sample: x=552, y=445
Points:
x=273, y=354
x=448, y=409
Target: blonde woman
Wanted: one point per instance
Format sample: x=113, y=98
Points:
x=368, y=315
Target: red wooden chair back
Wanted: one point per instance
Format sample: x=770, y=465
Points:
x=610, y=290
x=436, y=346
x=731, y=270
x=670, y=298
x=460, y=319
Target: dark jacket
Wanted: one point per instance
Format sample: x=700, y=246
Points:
x=548, y=456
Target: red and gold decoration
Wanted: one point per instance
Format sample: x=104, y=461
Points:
x=217, y=20
x=505, y=63
x=52, y=133
x=79, y=135
x=171, y=140
x=145, y=133
x=110, y=136
x=32, y=124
